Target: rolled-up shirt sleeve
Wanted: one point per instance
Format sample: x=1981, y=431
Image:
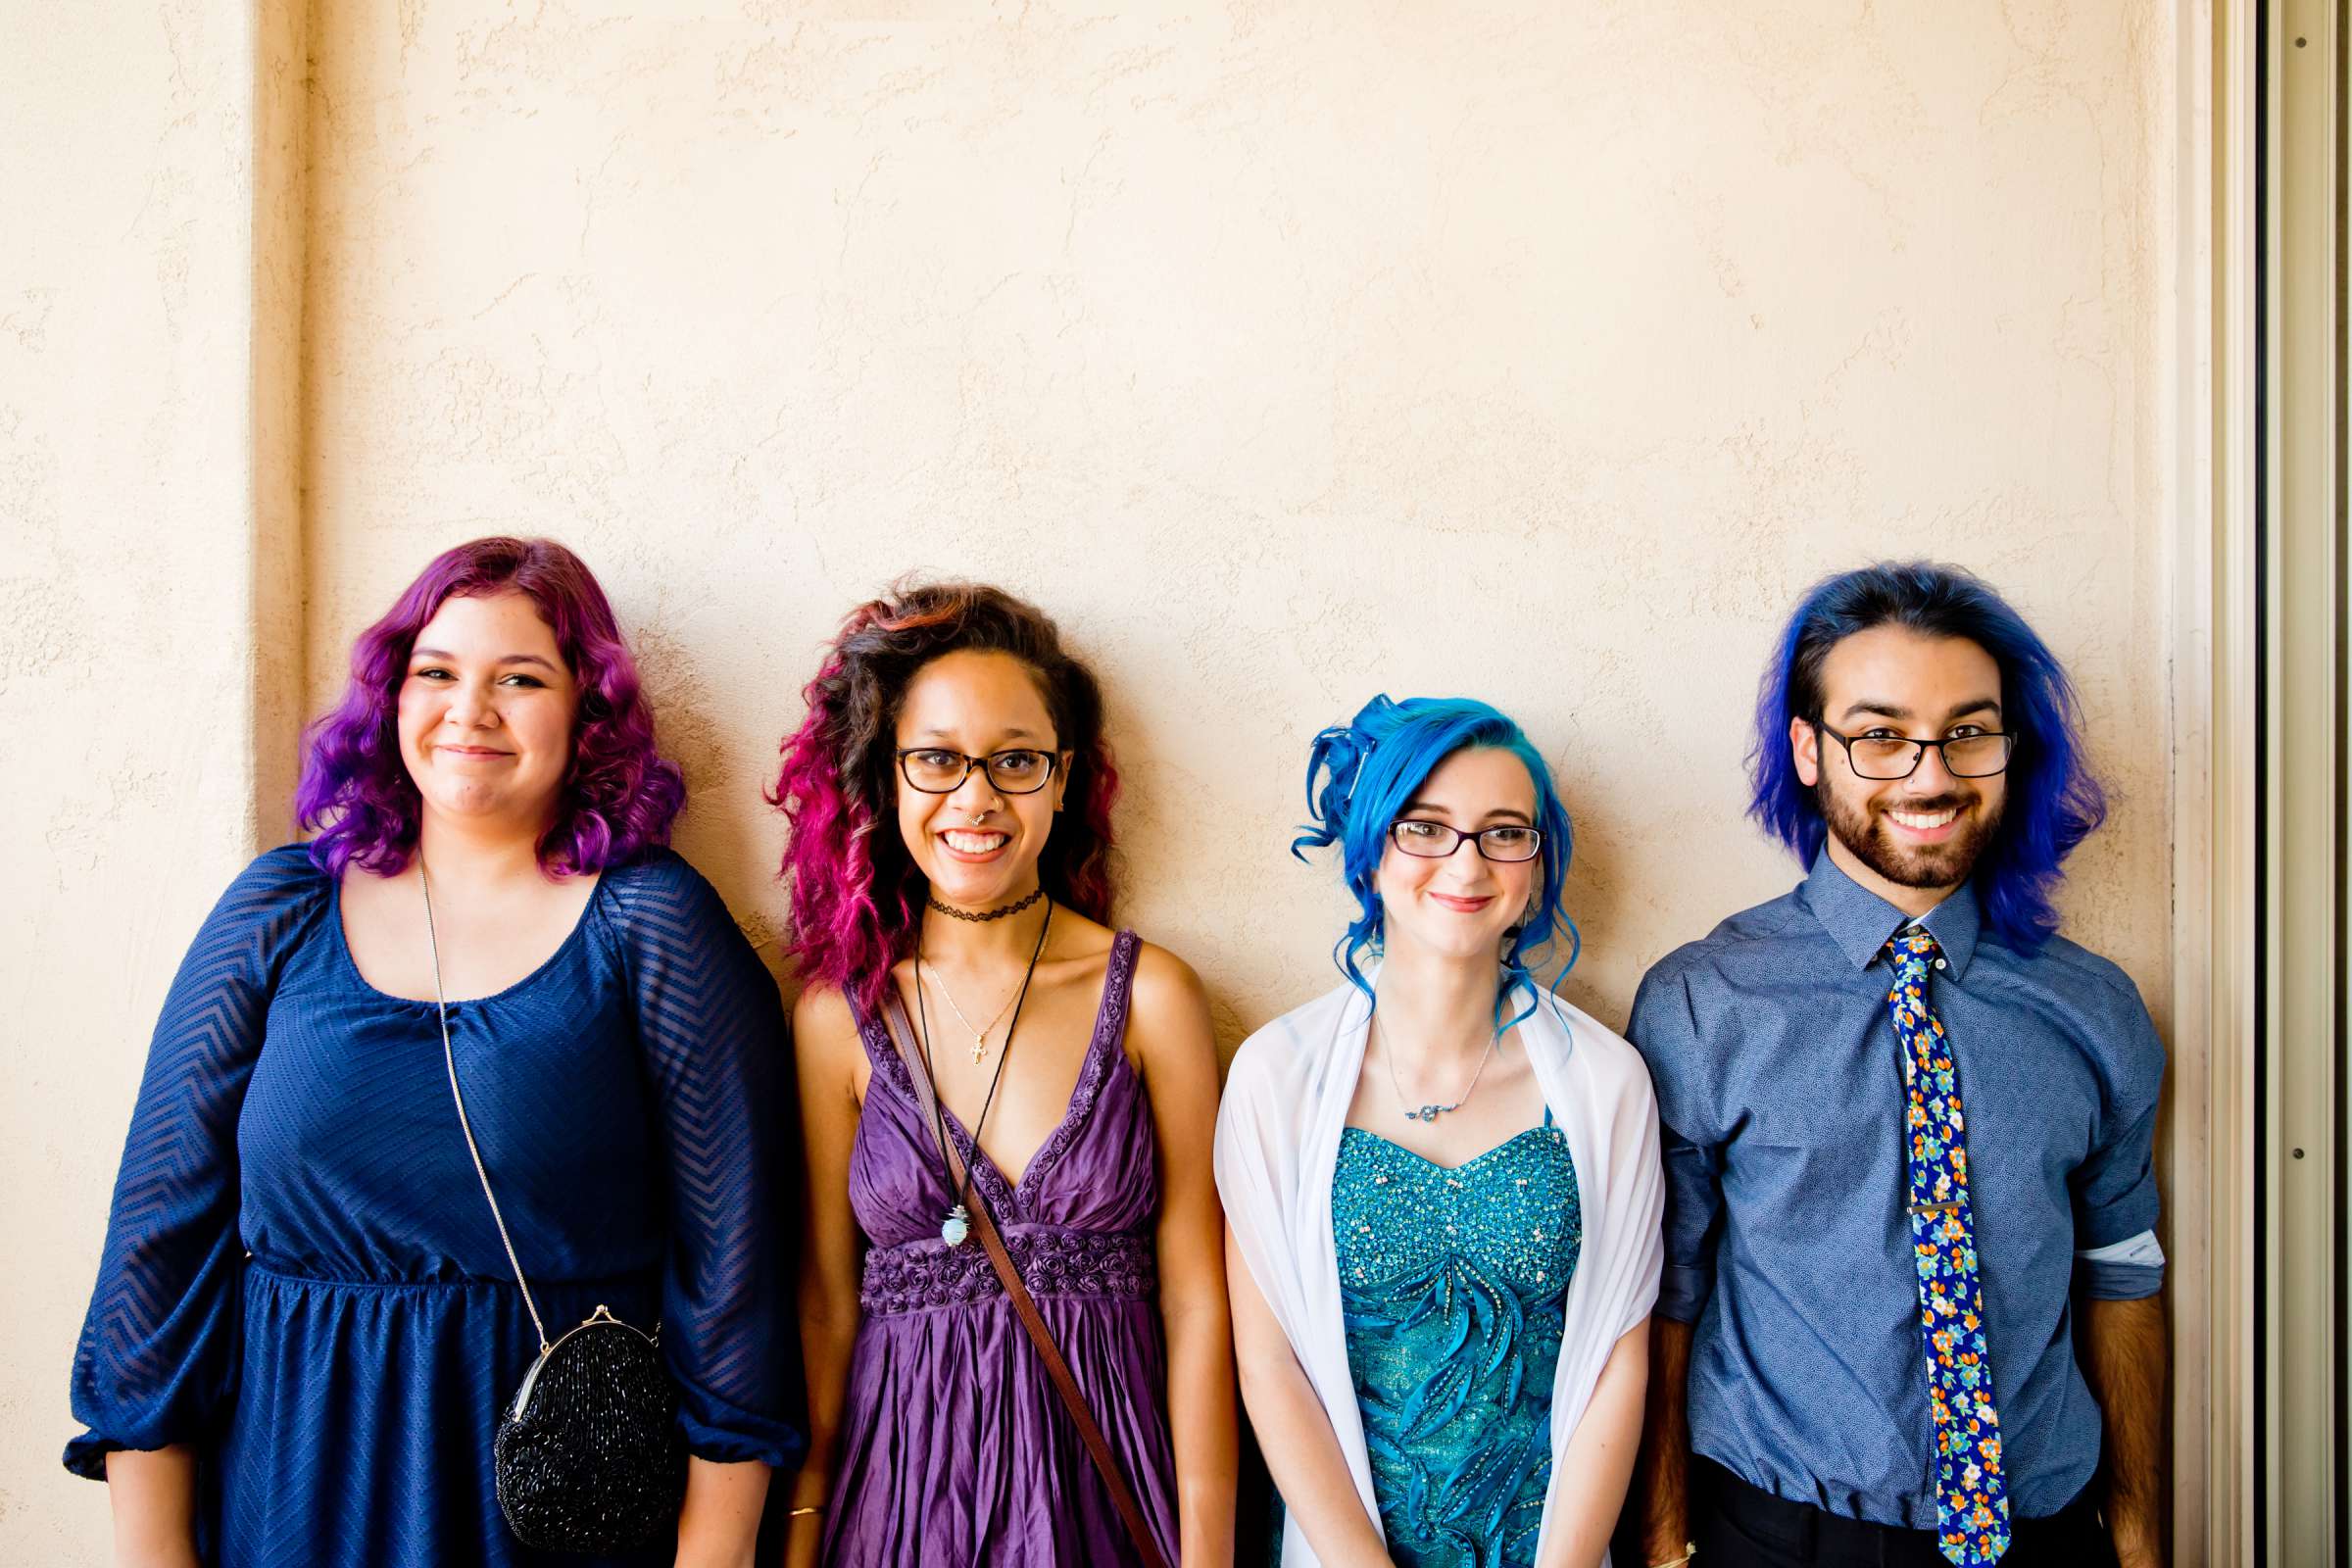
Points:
x=2125, y=1271
x=1664, y=1029
x=2114, y=1189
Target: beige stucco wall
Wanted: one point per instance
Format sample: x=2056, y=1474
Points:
x=139, y=641
x=1285, y=352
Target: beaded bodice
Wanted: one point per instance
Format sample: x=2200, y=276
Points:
x=1452, y=1280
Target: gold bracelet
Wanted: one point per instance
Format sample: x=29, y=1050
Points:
x=1690, y=1553
x=811, y=1509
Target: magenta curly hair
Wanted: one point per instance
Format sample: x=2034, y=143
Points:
x=619, y=794
x=855, y=892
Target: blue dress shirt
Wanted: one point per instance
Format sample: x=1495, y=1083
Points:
x=1780, y=1090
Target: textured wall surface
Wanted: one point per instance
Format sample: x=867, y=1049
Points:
x=1287, y=354
x=1536, y=352
x=131, y=644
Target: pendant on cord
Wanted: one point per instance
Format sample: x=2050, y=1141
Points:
x=955, y=1227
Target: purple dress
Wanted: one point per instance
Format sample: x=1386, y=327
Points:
x=955, y=1448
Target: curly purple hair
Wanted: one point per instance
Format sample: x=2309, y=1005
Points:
x=619, y=796
x=857, y=893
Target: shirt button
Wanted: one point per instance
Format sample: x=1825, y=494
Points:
x=1938, y=964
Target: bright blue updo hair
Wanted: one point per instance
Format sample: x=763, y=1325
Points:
x=2053, y=802
x=1359, y=779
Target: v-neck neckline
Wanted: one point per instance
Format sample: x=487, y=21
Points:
x=977, y=1159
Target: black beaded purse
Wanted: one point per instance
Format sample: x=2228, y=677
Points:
x=588, y=1456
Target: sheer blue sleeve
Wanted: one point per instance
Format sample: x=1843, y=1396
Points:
x=157, y=1360
x=712, y=1030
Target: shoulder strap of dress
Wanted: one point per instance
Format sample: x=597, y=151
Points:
x=867, y=1028
x=918, y=1081
x=1119, y=984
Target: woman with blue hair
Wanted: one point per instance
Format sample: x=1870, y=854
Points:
x=1441, y=1181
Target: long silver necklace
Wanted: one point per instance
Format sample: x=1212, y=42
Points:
x=957, y=1222
x=1432, y=1112
x=979, y=1036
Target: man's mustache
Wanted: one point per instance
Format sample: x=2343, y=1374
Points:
x=1933, y=802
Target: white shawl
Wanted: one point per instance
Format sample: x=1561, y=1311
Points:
x=1278, y=1144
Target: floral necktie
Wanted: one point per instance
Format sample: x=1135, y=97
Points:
x=1972, y=1499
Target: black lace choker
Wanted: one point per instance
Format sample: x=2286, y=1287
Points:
x=985, y=915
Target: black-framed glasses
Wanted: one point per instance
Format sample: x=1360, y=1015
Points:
x=936, y=770
x=1507, y=842
x=1891, y=757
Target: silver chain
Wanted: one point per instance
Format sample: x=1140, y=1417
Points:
x=449, y=1057
x=1432, y=1112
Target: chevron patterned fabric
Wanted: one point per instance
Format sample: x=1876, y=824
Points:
x=301, y=1279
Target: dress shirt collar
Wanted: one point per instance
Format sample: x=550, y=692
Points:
x=1859, y=921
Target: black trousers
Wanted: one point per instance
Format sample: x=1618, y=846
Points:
x=1739, y=1526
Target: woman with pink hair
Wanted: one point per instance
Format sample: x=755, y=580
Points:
x=1000, y=1092
x=308, y=1315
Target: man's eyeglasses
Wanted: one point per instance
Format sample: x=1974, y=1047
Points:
x=1979, y=755
x=1435, y=841
x=937, y=771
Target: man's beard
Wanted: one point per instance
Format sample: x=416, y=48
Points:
x=1911, y=865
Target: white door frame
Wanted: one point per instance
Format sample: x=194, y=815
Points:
x=2208, y=273
x=2260, y=797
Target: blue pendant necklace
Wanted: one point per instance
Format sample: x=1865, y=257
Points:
x=1432, y=1112
x=959, y=1223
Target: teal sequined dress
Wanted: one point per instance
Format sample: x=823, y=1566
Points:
x=1452, y=1280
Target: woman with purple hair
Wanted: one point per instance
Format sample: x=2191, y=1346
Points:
x=998, y=1089
x=307, y=1320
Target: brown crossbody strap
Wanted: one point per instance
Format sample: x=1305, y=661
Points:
x=984, y=1225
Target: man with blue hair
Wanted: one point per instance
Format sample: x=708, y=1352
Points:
x=1868, y=1347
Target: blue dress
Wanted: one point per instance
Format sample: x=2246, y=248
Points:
x=1451, y=1282
x=301, y=1278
